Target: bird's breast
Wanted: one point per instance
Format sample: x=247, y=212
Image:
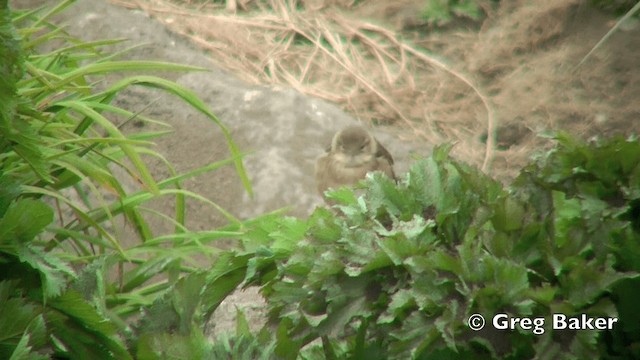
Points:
x=351, y=170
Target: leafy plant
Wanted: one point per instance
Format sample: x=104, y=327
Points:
x=396, y=272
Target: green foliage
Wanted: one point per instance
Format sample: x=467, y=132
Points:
x=172, y=327
x=68, y=286
x=397, y=271
x=12, y=64
x=242, y=347
x=442, y=12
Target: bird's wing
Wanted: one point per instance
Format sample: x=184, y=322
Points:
x=322, y=174
x=383, y=152
x=385, y=166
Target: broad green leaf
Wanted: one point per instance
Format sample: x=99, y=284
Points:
x=222, y=280
x=446, y=324
x=9, y=190
x=24, y=220
x=324, y=226
x=171, y=346
x=287, y=347
x=586, y=281
x=289, y=232
x=16, y=313
x=82, y=330
x=53, y=271
x=242, y=325
x=509, y=215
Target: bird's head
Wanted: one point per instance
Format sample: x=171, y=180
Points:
x=353, y=146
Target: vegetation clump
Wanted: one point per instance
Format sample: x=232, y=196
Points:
x=400, y=270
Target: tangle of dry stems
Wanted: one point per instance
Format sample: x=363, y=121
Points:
x=361, y=66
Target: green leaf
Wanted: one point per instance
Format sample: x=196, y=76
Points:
x=26, y=144
x=33, y=339
x=568, y=215
x=400, y=302
x=192, y=99
x=23, y=350
x=242, y=325
x=83, y=332
x=85, y=109
x=15, y=313
x=24, y=220
x=442, y=261
x=172, y=346
x=382, y=192
x=509, y=277
x=341, y=314
x=146, y=271
x=342, y=195
x=53, y=271
x=445, y=324
x=289, y=232
x=228, y=273
x=9, y=190
x=586, y=281
x=508, y=215
x=424, y=182
x=324, y=226
x=73, y=305
x=286, y=347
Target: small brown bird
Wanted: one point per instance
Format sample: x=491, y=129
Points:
x=353, y=153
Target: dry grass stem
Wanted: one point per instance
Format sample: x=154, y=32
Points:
x=334, y=51
x=361, y=66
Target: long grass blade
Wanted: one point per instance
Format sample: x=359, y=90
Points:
x=194, y=101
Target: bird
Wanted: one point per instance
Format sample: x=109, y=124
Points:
x=353, y=153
